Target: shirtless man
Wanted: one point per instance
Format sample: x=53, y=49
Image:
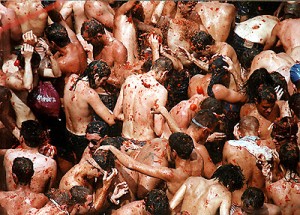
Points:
x=8, y=31
x=201, y=196
x=125, y=31
x=30, y=15
x=80, y=100
x=181, y=152
x=22, y=198
x=287, y=32
x=217, y=18
x=253, y=203
x=156, y=202
x=106, y=48
x=31, y=137
x=285, y=192
x=274, y=62
x=70, y=54
x=139, y=93
x=244, y=152
x=265, y=109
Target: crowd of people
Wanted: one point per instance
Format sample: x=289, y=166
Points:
x=149, y=107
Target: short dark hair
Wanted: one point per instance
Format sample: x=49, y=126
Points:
x=212, y=104
x=98, y=127
x=182, y=143
x=231, y=176
x=35, y=60
x=257, y=78
x=157, y=202
x=79, y=194
x=58, y=34
x=23, y=168
x=279, y=80
x=5, y=94
x=201, y=39
x=113, y=141
x=266, y=92
x=247, y=57
x=206, y=118
x=162, y=64
x=92, y=27
x=105, y=159
x=61, y=197
x=33, y=133
x=289, y=156
x=96, y=67
x=286, y=127
x=253, y=197
x=294, y=104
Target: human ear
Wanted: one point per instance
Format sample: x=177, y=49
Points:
x=15, y=178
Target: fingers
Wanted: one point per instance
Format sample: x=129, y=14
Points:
x=29, y=37
x=279, y=92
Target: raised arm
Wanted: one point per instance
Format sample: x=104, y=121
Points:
x=178, y=197
x=163, y=173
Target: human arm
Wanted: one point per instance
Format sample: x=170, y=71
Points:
x=233, y=71
x=101, y=196
x=163, y=173
x=225, y=204
x=223, y=93
x=118, y=110
x=66, y=9
x=100, y=109
x=273, y=38
x=157, y=12
x=177, y=64
x=154, y=45
x=120, y=190
x=178, y=197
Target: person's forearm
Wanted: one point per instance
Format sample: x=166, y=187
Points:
x=171, y=122
x=200, y=64
x=178, y=197
x=28, y=76
x=101, y=198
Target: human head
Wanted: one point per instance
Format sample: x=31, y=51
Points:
x=157, y=203
x=256, y=79
x=34, y=62
x=22, y=170
x=289, y=156
x=81, y=198
x=294, y=104
x=284, y=130
x=97, y=72
x=105, y=159
x=279, y=80
x=5, y=94
x=201, y=40
x=62, y=198
x=248, y=124
x=162, y=66
x=91, y=29
x=212, y=104
x=96, y=130
x=182, y=144
x=247, y=57
x=32, y=133
x=295, y=74
x=58, y=34
x=265, y=100
x=231, y=176
x=252, y=199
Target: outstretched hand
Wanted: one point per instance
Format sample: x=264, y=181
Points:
x=30, y=38
x=108, y=178
x=279, y=92
x=120, y=190
x=27, y=51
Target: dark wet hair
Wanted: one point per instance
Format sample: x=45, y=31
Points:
x=162, y=64
x=98, y=127
x=182, y=143
x=23, y=168
x=248, y=123
x=177, y=84
x=218, y=74
x=286, y=127
x=105, y=159
x=157, y=202
x=5, y=94
x=257, y=78
x=212, y=104
x=253, y=197
x=231, y=176
x=92, y=27
x=58, y=34
x=35, y=60
x=206, y=118
x=201, y=39
x=267, y=93
x=96, y=67
x=113, y=141
x=294, y=104
x=279, y=79
x=289, y=156
x=59, y=196
x=79, y=194
x=33, y=133
x=247, y=57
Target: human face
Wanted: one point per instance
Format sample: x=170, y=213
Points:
x=100, y=81
x=83, y=209
x=91, y=40
x=265, y=108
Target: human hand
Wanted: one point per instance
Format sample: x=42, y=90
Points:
x=156, y=109
x=216, y=136
x=120, y=190
x=235, y=131
x=108, y=178
x=30, y=38
x=104, y=147
x=154, y=41
x=279, y=92
x=27, y=51
x=185, y=52
x=130, y=146
x=230, y=67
